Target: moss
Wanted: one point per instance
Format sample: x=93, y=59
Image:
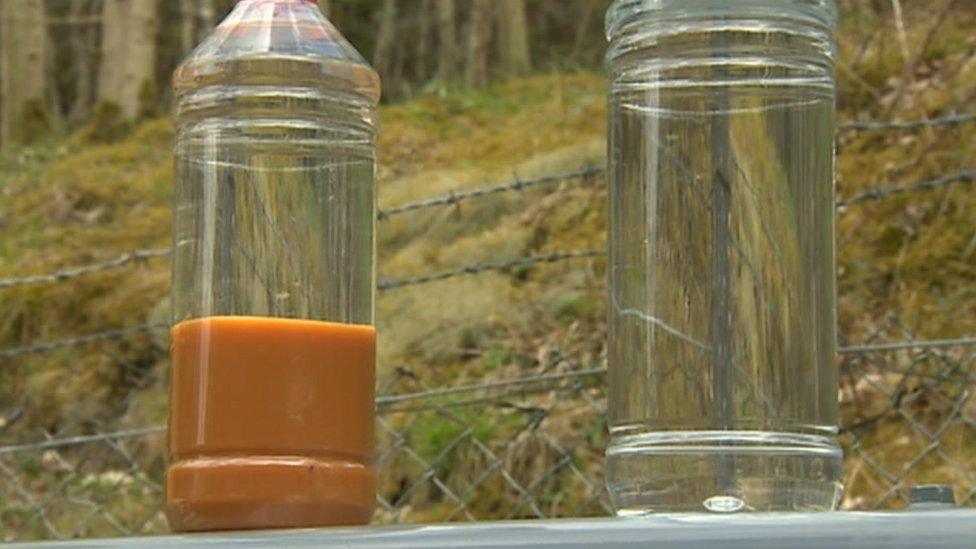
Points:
x=148, y=100
x=497, y=357
x=571, y=306
x=35, y=122
x=107, y=124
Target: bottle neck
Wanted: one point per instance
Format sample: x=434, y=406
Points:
x=669, y=43
x=623, y=15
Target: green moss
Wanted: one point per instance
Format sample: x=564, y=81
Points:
x=107, y=124
x=497, y=357
x=148, y=100
x=570, y=307
x=35, y=122
x=434, y=437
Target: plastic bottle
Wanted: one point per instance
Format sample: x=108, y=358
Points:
x=723, y=385
x=273, y=349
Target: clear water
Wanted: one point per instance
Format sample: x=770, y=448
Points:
x=722, y=296
x=275, y=202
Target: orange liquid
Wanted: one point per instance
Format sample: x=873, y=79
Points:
x=271, y=424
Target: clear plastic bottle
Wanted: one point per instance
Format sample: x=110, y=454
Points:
x=723, y=385
x=273, y=349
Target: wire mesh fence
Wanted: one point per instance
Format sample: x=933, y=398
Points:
x=529, y=447
x=524, y=447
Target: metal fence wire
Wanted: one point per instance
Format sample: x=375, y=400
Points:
x=535, y=442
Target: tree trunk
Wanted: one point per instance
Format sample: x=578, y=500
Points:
x=24, y=115
x=479, y=34
x=54, y=103
x=84, y=42
x=421, y=69
x=126, y=78
x=513, y=37
x=386, y=40
x=447, y=45
x=206, y=18
x=188, y=25
x=583, y=28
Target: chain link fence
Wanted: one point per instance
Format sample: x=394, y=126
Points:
x=536, y=444
x=523, y=447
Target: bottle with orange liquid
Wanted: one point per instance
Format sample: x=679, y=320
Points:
x=273, y=349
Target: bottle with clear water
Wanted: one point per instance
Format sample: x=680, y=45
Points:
x=723, y=384
x=273, y=349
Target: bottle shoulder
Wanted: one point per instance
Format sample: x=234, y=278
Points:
x=277, y=44
x=263, y=71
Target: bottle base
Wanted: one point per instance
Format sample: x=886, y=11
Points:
x=723, y=472
x=266, y=493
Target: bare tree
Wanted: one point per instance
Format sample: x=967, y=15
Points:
x=423, y=40
x=447, y=40
x=126, y=78
x=590, y=7
x=84, y=44
x=23, y=42
x=386, y=39
x=206, y=18
x=513, y=37
x=479, y=34
x=188, y=24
